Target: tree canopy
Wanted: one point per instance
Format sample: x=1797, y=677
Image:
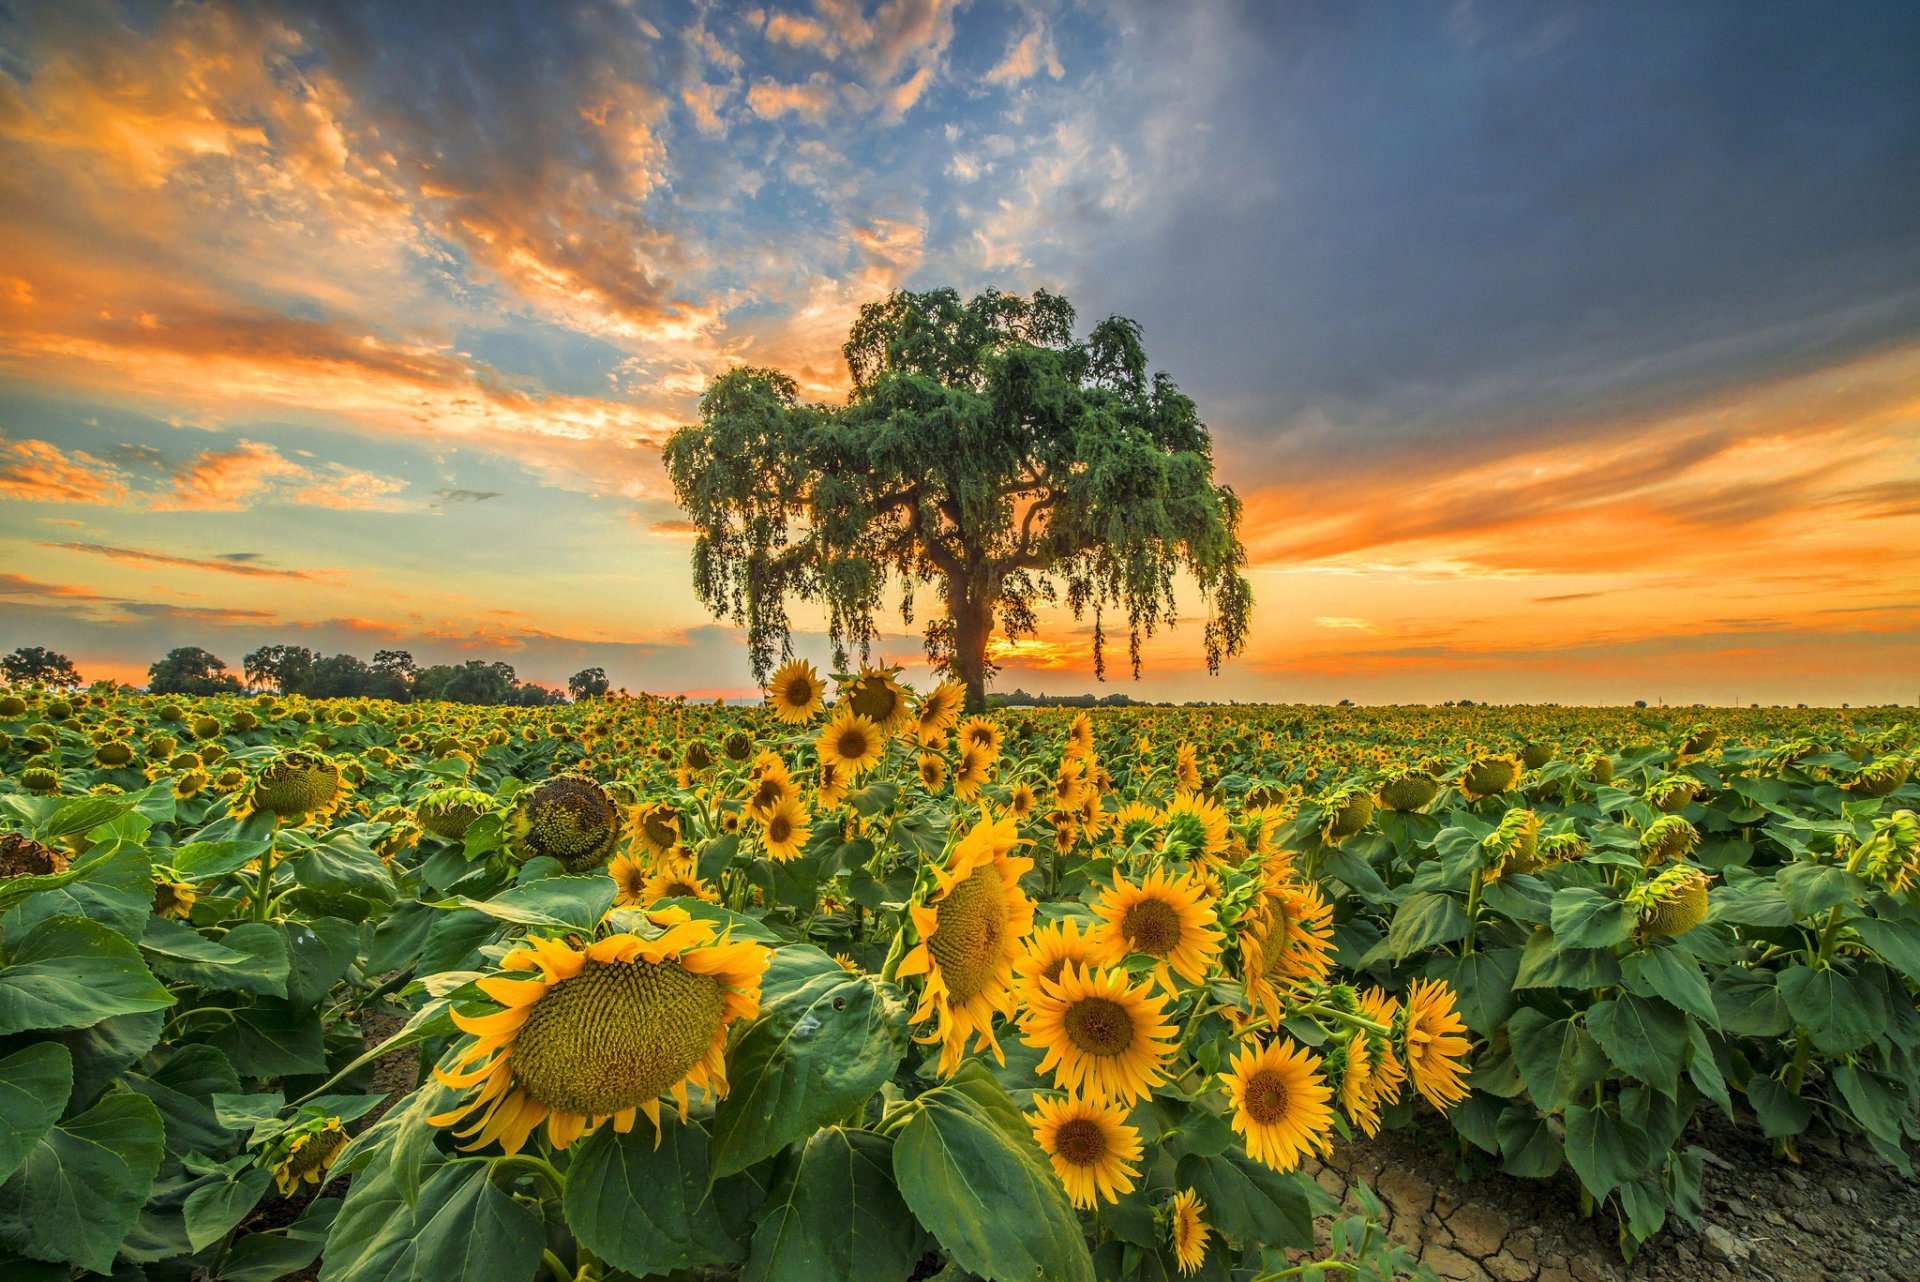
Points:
x=983, y=451
x=30, y=664
x=188, y=669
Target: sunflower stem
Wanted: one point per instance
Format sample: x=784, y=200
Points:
x=262, y=900
x=1473, y=911
x=555, y=1266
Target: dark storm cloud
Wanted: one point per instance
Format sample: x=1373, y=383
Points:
x=1399, y=219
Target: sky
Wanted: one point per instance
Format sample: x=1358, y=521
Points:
x=1560, y=352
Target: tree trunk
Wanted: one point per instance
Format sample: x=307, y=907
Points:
x=972, y=609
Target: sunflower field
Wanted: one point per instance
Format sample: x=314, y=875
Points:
x=851, y=986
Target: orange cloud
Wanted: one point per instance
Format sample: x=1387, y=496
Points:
x=39, y=472
x=239, y=563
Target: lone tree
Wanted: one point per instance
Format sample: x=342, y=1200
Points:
x=983, y=451
x=35, y=664
x=588, y=683
x=190, y=670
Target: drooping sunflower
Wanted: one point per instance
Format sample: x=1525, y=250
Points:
x=785, y=830
x=1432, y=1045
x=657, y=824
x=1281, y=1103
x=1104, y=1036
x=772, y=784
x=569, y=818
x=448, y=813
x=877, y=696
x=850, y=741
x=796, y=693
x=306, y=1157
x=1673, y=903
x=293, y=785
x=1186, y=766
x=1386, y=1073
x=1092, y=1148
x=1356, y=1092
x=602, y=1032
x=939, y=709
x=1187, y=1231
x=630, y=882
x=1668, y=839
x=1051, y=949
x=970, y=922
x=1408, y=788
x=1289, y=945
x=172, y=898
x=1165, y=917
x=1489, y=776
x=1196, y=825
x=1080, y=736
x=973, y=769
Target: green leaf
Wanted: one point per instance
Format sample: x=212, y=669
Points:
x=1780, y=1112
x=70, y=972
x=102, y=1051
x=81, y=1187
x=1703, y=1068
x=1603, y=1150
x=1841, y=1012
x=1896, y=942
x=1749, y=1003
x=250, y=958
x=318, y=954
x=273, y=1040
x=1645, y=1038
x=1545, y=963
x=1588, y=917
x=645, y=1208
x=213, y=1209
x=1876, y=1102
x=1483, y=984
x=556, y=903
x=1527, y=1144
x=1669, y=971
x=806, y=1060
x=1557, y=1058
x=87, y=813
x=1249, y=1202
x=1423, y=920
x=372, y=1239
x=116, y=891
x=478, y=1234
x=969, y=1169
x=1812, y=889
x=836, y=1215
x=205, y=860
x=183, y=1087
x=34, y=1085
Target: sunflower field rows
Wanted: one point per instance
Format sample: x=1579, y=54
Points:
x=852, y=986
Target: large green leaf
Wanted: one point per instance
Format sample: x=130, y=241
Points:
x=1547, y=963
x=81, y=1187
x=554, y=903
x=1604, y=1151
x=1780, y=1112
x=836, y=1216
x=1528, y=1147
x=1811, y=889
x=205, y=860
x=318, y=954
x=1840, y=1012
x=115, y=890
x=1644, y=1037
x=1251, y=1203
x=84, y=814
x=1897, y=943
x=70, y=972
x=271, y=1039
x=213, y=1209
x=968, y=1167
x=644, y=1206
x=1482, y=983
x=478, y=1234
x=808, y=1059
x=373, y=1237
x=1749, y=1003
x=1558, y=1059
x=34, y=1085
x=1589, y=917
x=182, y=1086
x=250, y=958
x=1670, y=972
x=1423, y=920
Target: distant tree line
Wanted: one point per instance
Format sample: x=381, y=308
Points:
x=294, y=669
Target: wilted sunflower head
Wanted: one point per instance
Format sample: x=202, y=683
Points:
x=1667, y=839
x=22, y=856
x=1345, y=811
x=1408, y=788
x=306, y=1155
x=1699, y=740
x=1489, y=777
x=40, y=779
x=12, y=705
x=294, y=784
x=1879, y=777
x=1536, y=754
x=1513, y=846
x=115, y=752
x=448, y=813
x=569, y=818
x=1674, y=793
x=1673, y=903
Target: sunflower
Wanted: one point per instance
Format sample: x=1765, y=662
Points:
x=970, y=922
x=1104, y=1036
x=875, y=695
x=603, y=1032
x=1050, y=950
x=172, y=898
x=1290, y=945
x=1186, y=1231
x=1673, y=903
x=1489, y=776
x=677, y=881
x=1080, y=736
x=1134, y=820
x=830, y=788
x=1431, y=1044
x=293, y=785
x=1668, y=839
x=1280, y=1103
x=939, y=709
x=785, y=831
x=1186, y=766
x=1408, y=788
x=772, y=784
x=569, y=818
x=972, y=771
x=932, y=771
x=1196, y=825
x=1164, y=917
x=795, y=693
x=307, y=1157
x=1022, y=801
x=1386, y=1074
x=448, y=813
x=1092, y=1148
x=1065, y=791
x=630, y=878
x=978, y=732
x=657, y=824
x=851, y=741
x=1357, y=1094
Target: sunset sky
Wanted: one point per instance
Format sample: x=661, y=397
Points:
x=1560, y=351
